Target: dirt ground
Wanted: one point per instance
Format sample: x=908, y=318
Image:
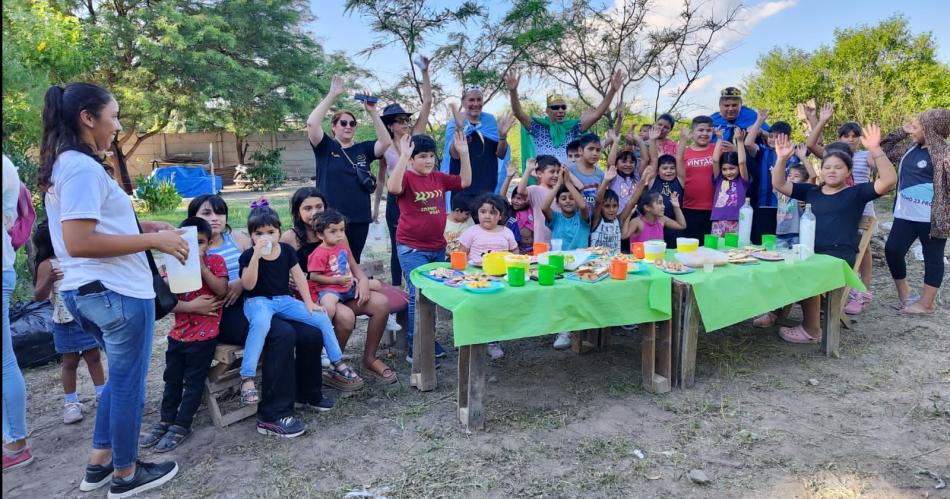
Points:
x=765, y=419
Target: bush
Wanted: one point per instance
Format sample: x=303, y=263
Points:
x=155, y=196
x=267, y=171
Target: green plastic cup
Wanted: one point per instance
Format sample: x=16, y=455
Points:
x=711, y=241
x=546, y=275
x=768, y=241
x=556, y=261
x=516, y=276
x=732, y=240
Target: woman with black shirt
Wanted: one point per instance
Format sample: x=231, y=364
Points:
x=343, y=166
x=837, y=208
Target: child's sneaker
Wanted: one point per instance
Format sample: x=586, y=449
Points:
x=495, y=351
x=563, y=341
x=73, y=412
x=439, y=351
x=286, y=427
x=147, y=476
x=391, y=323
x=856, y=302
x=17, y=459
x=97, y=475
x=325, y=404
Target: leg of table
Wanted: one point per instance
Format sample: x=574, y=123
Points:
x=664, y=346
x=423, y=345
x=472, y=369
x=676, y=319
x=831, y=336
x=690, y=332
x=652, y=381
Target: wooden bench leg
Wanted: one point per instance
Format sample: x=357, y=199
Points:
x=690, y=336
x=211, y=402
x=831, y=329
x=652, y=382
x=664, y=349
x=471, y=390
x=423, y=345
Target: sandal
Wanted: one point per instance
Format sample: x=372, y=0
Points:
x=797, y=335
x=249, y=396
x=765, y=320
x=173, y=438
x=342, y=377
x=385, y=376
x=153, y=435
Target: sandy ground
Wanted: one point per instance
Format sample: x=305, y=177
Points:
x=765, y=419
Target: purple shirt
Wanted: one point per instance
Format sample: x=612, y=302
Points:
x=728, y=197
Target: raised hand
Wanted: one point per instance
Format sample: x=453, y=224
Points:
x=740, y=134
x=827, y=111
x=460, y=142
x=684, y=136
x=783, y=148
x=675, y=199
x=505, y=122
x=763, y=114
x=611, y=137
x=511, y=80
x=530, y=165
x=611, y=174
x=336, y=86
x=630, y=133
x=649, y=173
x=370, y=107
x=616, y=80
x=719, y=133
x=512, y=169
x=406, y=146
x=456, y=113
x=871, y=138
x=801, y=151
x=654, y=133
x=423, y=63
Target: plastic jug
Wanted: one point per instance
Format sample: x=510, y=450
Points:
x=494, y=263
x=806, y=232
x=745, y=224
x=187, y=277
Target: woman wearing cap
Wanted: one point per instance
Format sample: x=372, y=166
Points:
x=551, y=134
x=397, y=121
x=343, y=166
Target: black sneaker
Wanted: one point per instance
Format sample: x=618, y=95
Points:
x=325, y=404
x=286, y=427
x=147, y=476
x=97, y=475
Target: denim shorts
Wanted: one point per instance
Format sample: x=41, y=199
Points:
x=70, y=338
x=344, y=297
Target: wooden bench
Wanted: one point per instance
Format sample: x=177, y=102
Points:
x=224, y=379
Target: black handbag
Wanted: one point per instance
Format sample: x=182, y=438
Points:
x=165, y=300
x=365, y=177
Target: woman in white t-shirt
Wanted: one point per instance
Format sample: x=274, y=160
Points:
x=107, y=283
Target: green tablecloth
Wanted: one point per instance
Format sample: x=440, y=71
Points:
x=734, y=293
x=535, y=310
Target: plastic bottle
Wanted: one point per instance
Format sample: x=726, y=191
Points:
x=342, y=262
x=186, y=277
x=745, y=224
x=806, y=232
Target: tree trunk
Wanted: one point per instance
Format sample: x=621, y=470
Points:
x=242, y=146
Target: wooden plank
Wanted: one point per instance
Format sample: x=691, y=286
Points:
x=464, y=367
x=211, y=402
x=423, y=345
x=676, y=320
x=647, y=354
x=473, y=418
x=238, y=415
x=664, y=349
x=831, y=334
x=690, y=333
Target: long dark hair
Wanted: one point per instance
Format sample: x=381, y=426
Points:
x=218, y=205
x=43, y=244
x=61, y=112
x=300, y=228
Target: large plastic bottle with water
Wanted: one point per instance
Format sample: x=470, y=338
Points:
x=185, y=277
x=745, y=224
x=806, y=232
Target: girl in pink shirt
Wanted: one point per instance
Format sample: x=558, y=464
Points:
x=649, y=225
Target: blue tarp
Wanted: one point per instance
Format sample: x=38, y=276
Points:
x=188, y=181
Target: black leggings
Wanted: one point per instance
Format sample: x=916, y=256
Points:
x=392, y=219
x=902, y=236
x=698, y=223
x=356, y=234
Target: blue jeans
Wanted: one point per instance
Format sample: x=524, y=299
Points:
x=124, y=326
x=409, y=260
x=259, y=311
x=14, y=388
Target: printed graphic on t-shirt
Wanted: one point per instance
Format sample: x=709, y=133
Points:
x=425, y=197
x=727, y=195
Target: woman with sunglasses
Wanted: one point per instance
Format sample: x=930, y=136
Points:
x=551, y=134
x=399, y=124
x=343, y=166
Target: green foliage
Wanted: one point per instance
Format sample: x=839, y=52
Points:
x=156, y=196
x=267, y=171
x=882, y=74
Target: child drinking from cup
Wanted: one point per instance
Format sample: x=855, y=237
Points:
x=730, y=182
x=264, y=271
x=191, y=344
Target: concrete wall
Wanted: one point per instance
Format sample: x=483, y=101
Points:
x=297, y=155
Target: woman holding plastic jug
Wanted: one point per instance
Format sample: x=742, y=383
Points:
x=837, y=209
x=107, y=283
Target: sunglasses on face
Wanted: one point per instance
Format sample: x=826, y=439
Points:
x=402, y=120
x=561, y=107
x=345, y=123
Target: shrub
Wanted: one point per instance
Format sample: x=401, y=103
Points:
x=155, y=196
x=267, y=171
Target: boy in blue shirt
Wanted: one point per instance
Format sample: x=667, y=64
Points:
x=763, y=197
x=572, y=224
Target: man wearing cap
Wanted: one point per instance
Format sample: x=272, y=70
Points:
x=551, y=134
x=732, y=114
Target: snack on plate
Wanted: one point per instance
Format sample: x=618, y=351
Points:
x=479, y=284
x=590, y=274
x=443, y=273
x=768, y=255
x=740, y=260
x=670, y=266
x=600, y=251
x=627, y=258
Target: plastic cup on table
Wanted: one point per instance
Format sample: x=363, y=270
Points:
x=557, y=262
x=655, y=249
x=732, y=240
x=459, y=260
x=618, y=270
x=540, y=248
x=789, y=256
x=711, y=241
x=768, y=241
x=637, y=249
x=516, y=276
x=557, y=244
x=708, y=267
x=546, y=275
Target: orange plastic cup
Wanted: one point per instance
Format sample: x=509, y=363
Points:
x=540, y=248
x=459, y=260
x=638, y=250
x=618, y=269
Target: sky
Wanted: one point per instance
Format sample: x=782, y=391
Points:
x=763, y=25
